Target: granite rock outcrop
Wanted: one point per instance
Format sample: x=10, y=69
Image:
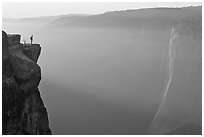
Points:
x=23, y=111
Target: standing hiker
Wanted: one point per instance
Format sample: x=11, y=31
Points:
x=31, y=39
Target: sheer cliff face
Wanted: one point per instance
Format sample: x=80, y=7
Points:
x=22, y=107
x=180, y=111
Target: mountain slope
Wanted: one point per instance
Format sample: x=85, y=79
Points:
x=155, y=18
x=180, y=111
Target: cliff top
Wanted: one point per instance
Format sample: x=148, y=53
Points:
x=26, y=51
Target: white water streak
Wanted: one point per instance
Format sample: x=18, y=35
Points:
x=172, y=56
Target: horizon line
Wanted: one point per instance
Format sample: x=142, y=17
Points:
x=74, y=14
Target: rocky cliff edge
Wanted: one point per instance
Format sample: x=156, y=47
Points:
x=23, y=111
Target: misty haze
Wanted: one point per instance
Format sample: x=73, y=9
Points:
x=127, y=72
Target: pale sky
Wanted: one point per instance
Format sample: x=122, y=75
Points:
x=35, y=9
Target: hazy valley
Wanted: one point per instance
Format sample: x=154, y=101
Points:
x=104, y=74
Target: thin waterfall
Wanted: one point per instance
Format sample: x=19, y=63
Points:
x=172, y=55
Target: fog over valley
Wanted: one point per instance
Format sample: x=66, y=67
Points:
x=106, y=73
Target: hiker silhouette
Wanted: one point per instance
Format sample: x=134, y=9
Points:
x=31, y=39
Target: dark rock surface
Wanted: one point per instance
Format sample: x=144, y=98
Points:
x=23, y=111
x=13, y=39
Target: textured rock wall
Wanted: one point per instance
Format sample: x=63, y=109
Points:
x=180, y=111
x=23, y=111
x=13, y=39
